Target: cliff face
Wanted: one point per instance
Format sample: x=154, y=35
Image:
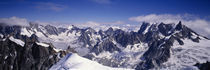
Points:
x=31, y=56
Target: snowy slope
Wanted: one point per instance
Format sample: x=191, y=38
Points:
x=26, y=32
x=185, y=56
x=18, y=41
x=75, y=62
x=129, y=57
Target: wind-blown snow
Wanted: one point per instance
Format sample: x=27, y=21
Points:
x=42, y=44
x=18, y=41
x=75, y=62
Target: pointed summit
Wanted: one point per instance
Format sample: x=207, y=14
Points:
x=143, y=27
x=179, y=26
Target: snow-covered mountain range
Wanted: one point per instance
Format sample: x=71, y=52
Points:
x=152, y=46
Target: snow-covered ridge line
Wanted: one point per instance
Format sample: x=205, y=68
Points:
x=18, y=41
x=42, y=44
x=26, y=32
x=76, y=62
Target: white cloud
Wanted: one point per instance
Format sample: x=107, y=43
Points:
x=95, y=24
x=14, y=21
x=154, y=18
x=99, y=25
x=197, y=24
x=91, y=24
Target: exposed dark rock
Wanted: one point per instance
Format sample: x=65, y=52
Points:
x=51, y=30
x=28, y=57
x=106, y=45
x=179, y=26
x=203, y=66
x=157, y=53
x=143, y=27
x=165, y=29
x=110, y=31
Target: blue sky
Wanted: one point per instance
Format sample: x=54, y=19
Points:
x=99, y=10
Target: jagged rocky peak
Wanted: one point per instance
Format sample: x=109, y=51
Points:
x=51, y=30
x=60, y=30
x=156, y=27
x=165, y=29
x=33, y=25
x=162, y=29
x=73, y=27
x=110, y=31
x=7, y=29
x=179, y=26
x=159, y=49
x=106, y=45
x=90, y=30
x=185, y=32
x=30, y=56
x=143, y=27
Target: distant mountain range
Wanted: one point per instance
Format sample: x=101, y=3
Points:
x=153, y=46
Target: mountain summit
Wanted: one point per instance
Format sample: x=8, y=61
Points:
x=153, y=46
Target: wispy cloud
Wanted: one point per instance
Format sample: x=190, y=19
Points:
x=14, y=21
x=50, y=6
x=96, y=24
x=99, y=25
x=102, y=1
x=200, y=25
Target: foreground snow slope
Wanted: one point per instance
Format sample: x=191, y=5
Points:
x=76, y=62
